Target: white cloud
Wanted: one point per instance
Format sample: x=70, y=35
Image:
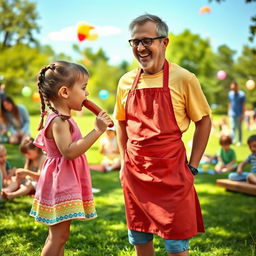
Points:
x=69, y=34
x=107, y=30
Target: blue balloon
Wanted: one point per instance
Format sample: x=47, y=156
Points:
x=103, y=94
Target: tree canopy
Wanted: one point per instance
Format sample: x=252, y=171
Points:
x=21, y=60
x=18, y=22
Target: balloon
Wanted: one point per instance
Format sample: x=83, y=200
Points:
x=103, y=94
x=205, y=9
x=92, y=37
x=83, y=32
x=221, y=75
x=36, y=97
x=26, y=91
x=250, y=84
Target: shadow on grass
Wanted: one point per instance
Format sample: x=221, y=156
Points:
x=229, y=221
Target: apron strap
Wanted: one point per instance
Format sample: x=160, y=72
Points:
x=136, y=80
x=165, y=77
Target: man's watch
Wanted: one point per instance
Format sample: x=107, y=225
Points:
x=193, y=169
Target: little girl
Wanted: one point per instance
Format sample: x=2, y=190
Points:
x=25, y=180
x=64, y=189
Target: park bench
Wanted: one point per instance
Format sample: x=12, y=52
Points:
x=238, y=186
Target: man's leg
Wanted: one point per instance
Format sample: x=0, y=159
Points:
x=233, y=128
x=239, y=128
x=145, y=249
x=177, y=247
x=143, y=243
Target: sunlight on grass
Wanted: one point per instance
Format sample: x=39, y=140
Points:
x=220, y=231
x=210, y=189
x=229, y=217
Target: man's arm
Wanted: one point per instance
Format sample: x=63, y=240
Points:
x=200, y=139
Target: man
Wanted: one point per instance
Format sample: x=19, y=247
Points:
x=236, y=109
x=154, y=107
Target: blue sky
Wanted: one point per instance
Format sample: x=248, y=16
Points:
x=227, y=23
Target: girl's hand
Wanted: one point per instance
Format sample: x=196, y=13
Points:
x=102, y=121
x=20, y=174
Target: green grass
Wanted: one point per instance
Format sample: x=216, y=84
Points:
x=229, y=217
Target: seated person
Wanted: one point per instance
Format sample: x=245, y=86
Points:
x=109, y=148
x=251, y=159
x=18, y=120
x=226, y=155
x=26, y=178
x=5, y=168
x=224, y=126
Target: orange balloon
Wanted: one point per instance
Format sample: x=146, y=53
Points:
x=36, y=97
x=205, y=9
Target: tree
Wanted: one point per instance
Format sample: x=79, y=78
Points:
x=195, y=54
x=245, y=69
x=224, y=61
x=17, y=22
x=102, y=75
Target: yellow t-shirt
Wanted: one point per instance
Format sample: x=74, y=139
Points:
x=188, y=100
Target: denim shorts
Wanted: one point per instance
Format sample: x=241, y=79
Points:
x=171, y=246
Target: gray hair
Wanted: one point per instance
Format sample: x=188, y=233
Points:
x=161, y=26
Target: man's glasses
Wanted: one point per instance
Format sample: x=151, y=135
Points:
x=147, y=41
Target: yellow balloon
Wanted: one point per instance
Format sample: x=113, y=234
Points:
x=250, y=84
x=83, y=28
x=92, y=37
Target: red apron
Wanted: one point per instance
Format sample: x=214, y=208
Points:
x=160, y=197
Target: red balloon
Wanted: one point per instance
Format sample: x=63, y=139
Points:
x=81, y=37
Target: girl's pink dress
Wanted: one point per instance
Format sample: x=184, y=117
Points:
x=64, y=190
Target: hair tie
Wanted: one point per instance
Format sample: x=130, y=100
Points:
x=44, y=113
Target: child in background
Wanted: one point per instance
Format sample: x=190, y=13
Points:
x=251, y=159
x=26, y=178
x=64, y=190
x=224, y=128
x=226, y=155
x=5, y=167
x=109, y=148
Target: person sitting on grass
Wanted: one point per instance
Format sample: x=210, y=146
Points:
x=5, y=167
x=25, y=180
x=251, y=159
x=109, y=148
x=17, y=118
x=226, y=155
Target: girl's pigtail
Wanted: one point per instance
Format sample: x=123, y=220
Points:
x=40, y=84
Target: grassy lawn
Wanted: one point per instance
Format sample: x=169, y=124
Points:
x=229, y=217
